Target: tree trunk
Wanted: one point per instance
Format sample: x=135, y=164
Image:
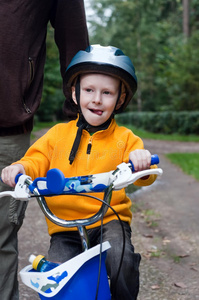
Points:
x=186, y=30
x=139, y=93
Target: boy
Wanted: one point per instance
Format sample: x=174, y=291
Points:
x=102, y=81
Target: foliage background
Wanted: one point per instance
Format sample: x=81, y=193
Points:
x=151, y=32
x=52, y=97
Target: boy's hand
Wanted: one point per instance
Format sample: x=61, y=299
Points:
x=9, y=173
x=141, y=159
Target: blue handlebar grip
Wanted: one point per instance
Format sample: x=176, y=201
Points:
x=17, y=177
x=154, y=161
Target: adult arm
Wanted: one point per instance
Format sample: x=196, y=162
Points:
x=71, y=33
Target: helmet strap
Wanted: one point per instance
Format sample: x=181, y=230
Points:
x=83, y=124
x=77, y=92
x=118, y=97
x=76, y=143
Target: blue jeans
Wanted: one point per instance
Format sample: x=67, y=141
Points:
x=65, y=245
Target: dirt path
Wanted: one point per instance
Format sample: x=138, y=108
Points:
x=164, y=230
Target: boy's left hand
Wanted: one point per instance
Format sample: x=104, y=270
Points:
x=141, y=159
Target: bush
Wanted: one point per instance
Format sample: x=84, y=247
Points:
x=163, y=122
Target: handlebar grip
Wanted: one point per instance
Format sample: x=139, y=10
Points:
x=17, y=177
x=154, y=161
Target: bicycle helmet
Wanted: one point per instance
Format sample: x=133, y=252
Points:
x=106, y=60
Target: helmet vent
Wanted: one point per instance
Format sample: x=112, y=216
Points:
x=118, y=52
x=88, y=49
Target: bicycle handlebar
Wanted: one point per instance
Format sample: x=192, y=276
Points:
x=56, y=184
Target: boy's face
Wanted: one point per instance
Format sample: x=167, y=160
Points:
x=98, y=97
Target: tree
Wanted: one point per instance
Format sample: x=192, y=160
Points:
x=140, y=28
x=150, y=32
x=183, y=75
x=52, y=96
x=186, y=30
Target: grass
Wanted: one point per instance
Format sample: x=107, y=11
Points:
x=188, y=162
x=166, y=137
x=156, y=253
x=176, y=259
x=151, y=218
x=41, y=125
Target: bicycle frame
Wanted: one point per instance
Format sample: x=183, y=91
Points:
x=78, y=277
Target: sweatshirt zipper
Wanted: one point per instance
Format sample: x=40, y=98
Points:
x=27, y=109
x=89, y=146
x=31, y=67
x=88, y=152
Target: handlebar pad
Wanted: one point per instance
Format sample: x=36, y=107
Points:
x=55, y=181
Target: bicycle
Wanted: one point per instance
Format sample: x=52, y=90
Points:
x=84, y=276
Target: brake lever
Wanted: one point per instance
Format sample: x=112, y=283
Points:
x=21, y=191
x=123, y=175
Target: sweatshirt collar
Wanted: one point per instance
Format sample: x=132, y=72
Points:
x=83, y=124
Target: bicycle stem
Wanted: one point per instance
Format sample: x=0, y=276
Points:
x=80, y=223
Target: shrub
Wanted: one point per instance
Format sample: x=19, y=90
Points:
x=185, y=122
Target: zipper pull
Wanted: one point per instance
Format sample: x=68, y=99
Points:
x=27, y=109
x=89, y=147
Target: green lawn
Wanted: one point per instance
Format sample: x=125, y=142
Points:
x=188, y=162
x=166, y=137
x=41, y=125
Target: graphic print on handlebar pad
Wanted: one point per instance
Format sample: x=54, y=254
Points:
x=154, y=161
x=55, y=183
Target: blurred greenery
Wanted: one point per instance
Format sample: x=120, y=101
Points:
x=165, y=137
x=188, y=162
x=165, y=122
x=43, y=125
x=151, y=33
x=52, y=97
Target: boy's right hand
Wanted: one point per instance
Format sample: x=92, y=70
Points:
x=9, y=173
x=141, y=159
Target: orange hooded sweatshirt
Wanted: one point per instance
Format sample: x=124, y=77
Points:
x=109, y=148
